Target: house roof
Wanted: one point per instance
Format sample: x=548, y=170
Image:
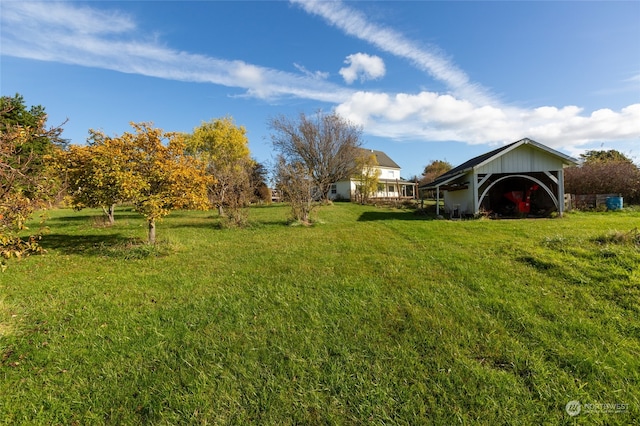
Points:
x=490, y=156
x=383, y=159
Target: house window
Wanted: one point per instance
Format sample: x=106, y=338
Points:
x=334, y=189
x=391, y=188
x=381, y=187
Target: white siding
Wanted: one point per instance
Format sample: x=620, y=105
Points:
x=463, y=198
x=347, y=189
x=389, y=173
x=342, y=190
x=523, y=159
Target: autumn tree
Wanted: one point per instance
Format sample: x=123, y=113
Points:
x=224, y=149
x=100, y=174
x=435, y=169
x=367, y=175
x=171, y=179
x=601, y=156
x=147, y=167
x=25, y=178
x=604, y=172
x=41, y=141
x=325, y=144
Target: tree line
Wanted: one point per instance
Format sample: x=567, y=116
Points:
x=604, y=172
x=157, y=172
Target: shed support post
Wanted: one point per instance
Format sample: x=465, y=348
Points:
x=478, y=182
x=476, y=202
x=560, y=192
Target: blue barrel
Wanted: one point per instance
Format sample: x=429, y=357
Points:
x=614, y=203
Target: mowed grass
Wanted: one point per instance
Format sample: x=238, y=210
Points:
x=371, y=316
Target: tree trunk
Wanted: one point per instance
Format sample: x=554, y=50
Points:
x=152, y=231
x=109, y=212
x=220, y=210
x=325, y=193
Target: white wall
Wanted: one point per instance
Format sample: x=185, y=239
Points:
x=523, y=159
x=347, y=189
x=389, y=173
x=342, y=190
x=463, y=197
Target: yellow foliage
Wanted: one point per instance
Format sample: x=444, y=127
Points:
x=219, y=142
x=147, y=167
x=367, y=176
x=223, y=147
x=167, y=179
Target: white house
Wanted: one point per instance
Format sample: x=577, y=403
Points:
x=390, y=184
x=522, y=178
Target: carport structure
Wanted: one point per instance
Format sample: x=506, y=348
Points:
x=519, y=179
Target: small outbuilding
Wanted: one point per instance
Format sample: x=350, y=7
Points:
x=524, y=178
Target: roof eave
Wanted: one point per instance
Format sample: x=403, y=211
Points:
x=445, y=181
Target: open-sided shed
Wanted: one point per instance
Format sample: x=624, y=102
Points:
x=519, y=179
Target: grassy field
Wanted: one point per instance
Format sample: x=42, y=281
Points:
x=371, y=316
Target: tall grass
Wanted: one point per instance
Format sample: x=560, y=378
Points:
x=370, y=316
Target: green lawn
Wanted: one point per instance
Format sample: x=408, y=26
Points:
x=372, y=316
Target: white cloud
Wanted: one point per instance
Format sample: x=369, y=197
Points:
x=67, y=33
x=321, y=75
x=469, y=113
x=633, y=79
x=437, y=117
x=355, y=23
x=77, y=19
x=363, y=67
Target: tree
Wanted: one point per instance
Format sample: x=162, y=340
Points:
x=236, y=183
x=147, y=168
x=15, y=114
x=170, y=179
x=596, y=156
x=325, y=144
x=224, y=148
x=367, y=176
x=435, y=169
x=604, y=172
x=25, y=179
x=258, y=180
x=296, y=186
x=100, y=174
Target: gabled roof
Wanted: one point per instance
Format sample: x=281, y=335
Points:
x=490, y=156
x=383, y=159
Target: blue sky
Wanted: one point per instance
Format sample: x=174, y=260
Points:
x=426, y=80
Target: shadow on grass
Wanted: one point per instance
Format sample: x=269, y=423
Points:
x=93, y=217
x=393, y=215
x=94, y=245
x=217, y=223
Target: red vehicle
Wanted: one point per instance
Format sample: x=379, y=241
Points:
x=521, y=199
